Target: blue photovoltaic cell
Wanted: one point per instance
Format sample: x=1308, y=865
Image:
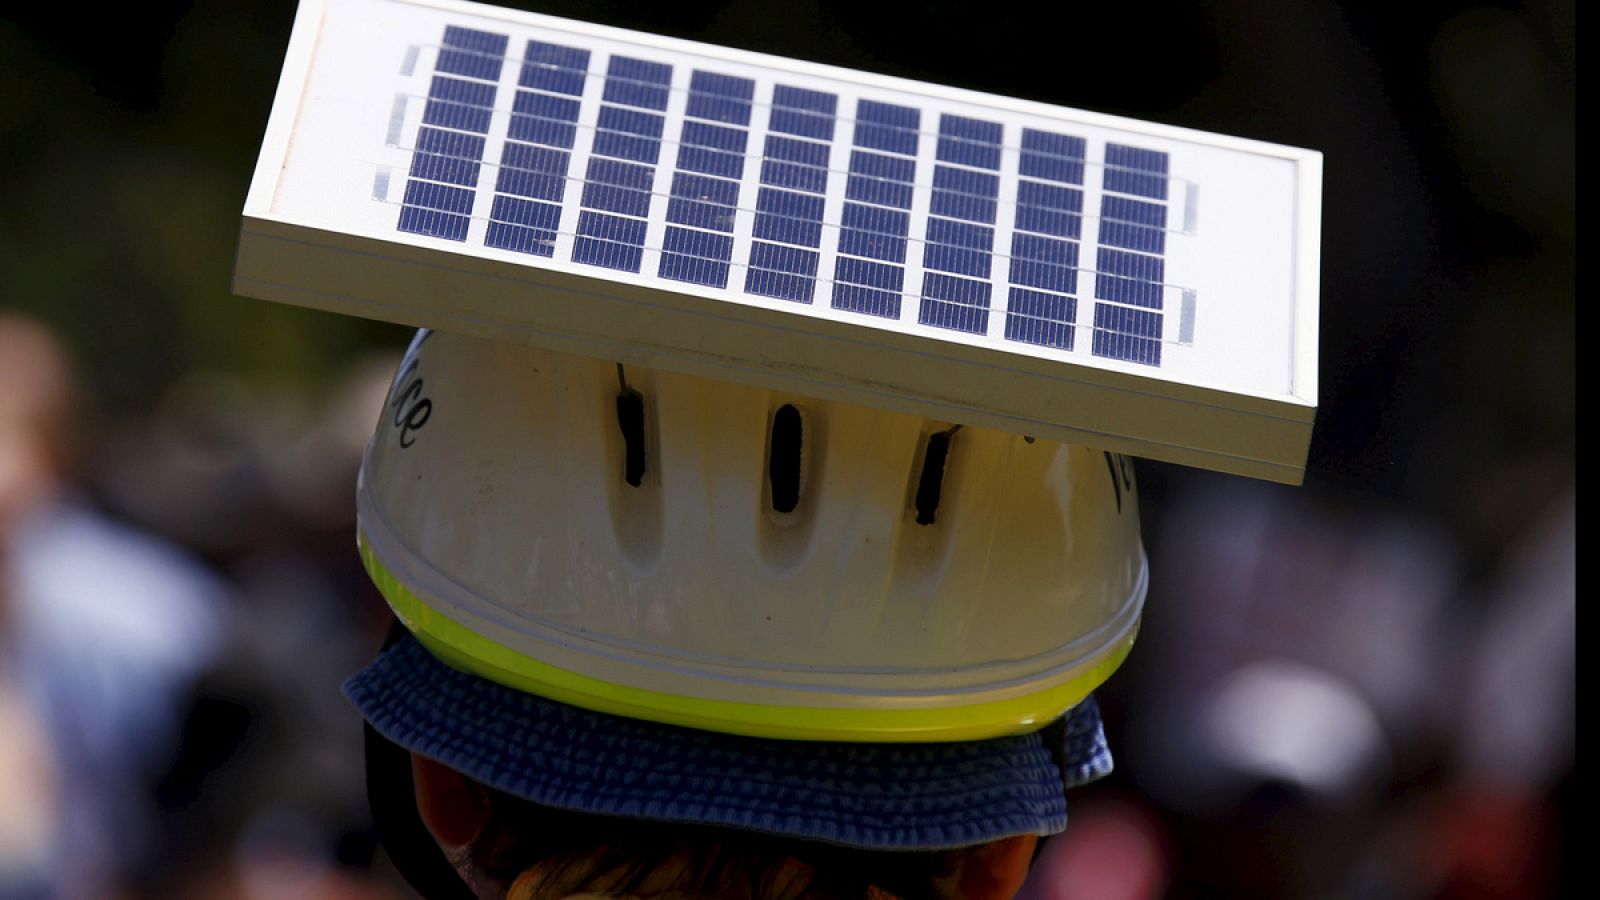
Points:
x=542, y=131
x=450, y=143
x=621, y=173
x=788, y=273
x=1053, y=157
x=546, y=106
x=958, y=241
x=720, y=98
x=1129, y=277
x=526, y=226
x=1040, y=318
x=1040, y=308
x=1047, y=143
x=634, y=93
x=795, y=176
x=611, y=241
x=956, y=303
x=806, y=124
x=432, y=222
x=876, y=165
x=870, y=274
x=883, y=126
x=630, y=121
x=789, y=205
x=789, y=217
x=459, y=104
x=710, y=190
x=447, y=156
x=879, y=191
x=960, y=234
x=474, y=54
x=715, y=137
x=530, y=184
x=537, y=153
x=1131, y=272
x=1049, y=209
x=626, y=146
x=705, y=190
x=551, y=67
x=889, y=222
x=793, y=260
x=710, y=162
x=1045, y=263
x=884, y=181
x=1133, y=224
x=438, y=196
x=1130, y=170
x=944, y=258
x=528, y=171
x=517, y=211
x=610, y=198
x=810, y=101
x=529, y=158
x=809, y=153
x=804, y=113
x=1128, y=334
x=872, y=245
x=446, y=163
x=969, y=142
x=703, y=202
x=714, y=216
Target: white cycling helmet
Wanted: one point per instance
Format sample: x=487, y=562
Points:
x=723, y=557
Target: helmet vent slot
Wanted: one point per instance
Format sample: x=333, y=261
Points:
x=630, y=417
x=932, y=481
x=783, y=458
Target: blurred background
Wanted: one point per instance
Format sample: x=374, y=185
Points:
x=1359, y=688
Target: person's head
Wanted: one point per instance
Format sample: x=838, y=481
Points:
x=674, y=637
x=505, y=846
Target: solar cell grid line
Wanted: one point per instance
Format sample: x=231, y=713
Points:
x=791, y=203
x=448, y=158
x=698, y=244
x=525, y=215
x=1041, y=303
x=615, y=205
x=1130, y=269
x=869, y=273
x=957, y=255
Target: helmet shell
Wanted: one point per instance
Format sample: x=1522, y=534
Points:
x=801, y=598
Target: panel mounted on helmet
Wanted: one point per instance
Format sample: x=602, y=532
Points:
x=794, y=227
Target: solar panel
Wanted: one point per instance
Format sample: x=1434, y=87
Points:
x=960, y=256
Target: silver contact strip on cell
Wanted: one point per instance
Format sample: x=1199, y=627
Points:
x=1186, y=316
x=397, y=121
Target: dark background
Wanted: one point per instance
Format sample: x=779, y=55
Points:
x=1447, y=358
